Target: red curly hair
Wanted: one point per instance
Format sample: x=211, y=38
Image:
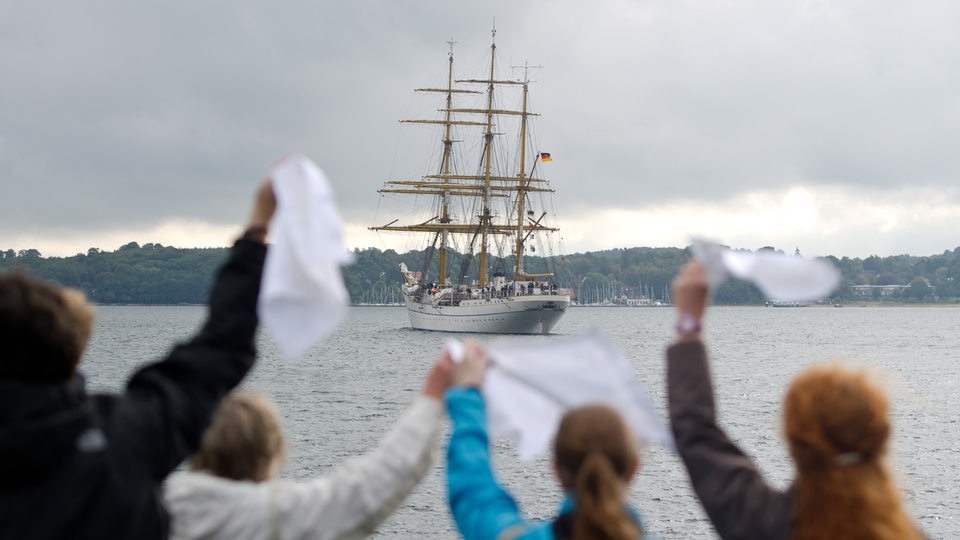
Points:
x=837, y=425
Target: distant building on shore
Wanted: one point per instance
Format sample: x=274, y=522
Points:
x=867, y=291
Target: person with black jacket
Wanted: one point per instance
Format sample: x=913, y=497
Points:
x=79, y=465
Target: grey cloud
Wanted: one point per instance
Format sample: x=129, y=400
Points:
x=117, y=114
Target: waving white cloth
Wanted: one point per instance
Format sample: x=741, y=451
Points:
x=780, y=277
x=302, y=296
x=530, y=384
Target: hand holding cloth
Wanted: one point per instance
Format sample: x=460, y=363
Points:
x=302, y=297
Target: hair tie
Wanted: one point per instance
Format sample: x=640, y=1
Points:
x=848, y=458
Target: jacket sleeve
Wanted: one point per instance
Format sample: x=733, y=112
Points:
x=159, y=420
x=481, y=508
x=734, y=495
x=364, y=491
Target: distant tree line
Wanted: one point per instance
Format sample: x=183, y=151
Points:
x=156, y=274
x=133, y=274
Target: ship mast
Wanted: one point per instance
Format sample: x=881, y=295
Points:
x=486, y=184
x=518, y=249
x=447, y=151
x=437, y=184
x=488, y=158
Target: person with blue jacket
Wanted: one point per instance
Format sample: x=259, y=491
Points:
x=594, y=456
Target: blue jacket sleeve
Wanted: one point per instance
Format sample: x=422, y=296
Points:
x=481, y=508
x=159, y=420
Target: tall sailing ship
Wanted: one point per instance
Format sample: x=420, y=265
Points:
x=481, y=214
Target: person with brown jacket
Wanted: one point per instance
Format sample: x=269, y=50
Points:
x=837, y=426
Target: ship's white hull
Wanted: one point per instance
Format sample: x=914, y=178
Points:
x=536, y=314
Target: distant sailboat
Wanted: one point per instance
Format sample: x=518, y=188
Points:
x=487, y=215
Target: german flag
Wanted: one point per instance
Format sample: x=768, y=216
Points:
x=545, y=157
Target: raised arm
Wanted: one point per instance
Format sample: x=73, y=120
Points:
x=730, y=487
x=481, y=508
x=360, y=494
x=168, y=404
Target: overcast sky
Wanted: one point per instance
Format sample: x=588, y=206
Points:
x=830, y=126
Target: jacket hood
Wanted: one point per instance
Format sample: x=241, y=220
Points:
x=206, y=506
x=40, y=425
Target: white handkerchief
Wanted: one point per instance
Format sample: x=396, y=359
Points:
x=302, y=296
x=531, y=383
x=711, y=256
x=786, y=278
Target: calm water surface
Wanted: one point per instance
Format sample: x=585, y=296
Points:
x=342, y=396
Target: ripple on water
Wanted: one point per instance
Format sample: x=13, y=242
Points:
x=343, y=395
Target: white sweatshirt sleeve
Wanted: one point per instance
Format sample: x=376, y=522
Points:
x=363, y=491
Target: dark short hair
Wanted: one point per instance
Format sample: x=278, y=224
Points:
x=43, y=328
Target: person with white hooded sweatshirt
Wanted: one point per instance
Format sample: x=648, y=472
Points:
x=231, y=490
